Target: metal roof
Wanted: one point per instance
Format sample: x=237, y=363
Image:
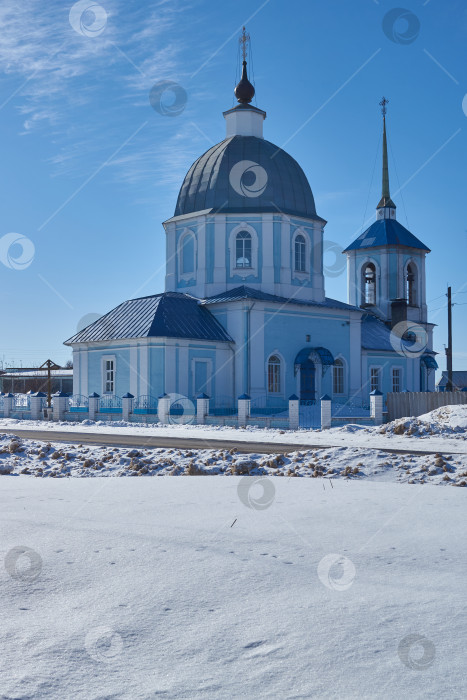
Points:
x=429, y=362
x=211, y=183
x=245, y=292
x=459, y=378
x=376, y=335
x=26, y=374
x=170, y=314
x=324, y=355
x=386, y=232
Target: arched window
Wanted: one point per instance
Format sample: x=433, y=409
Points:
x=338, y=377
x=243, y=249
x=369, y=284
x=188, y=254
x=274, y=375
x=411, y=285
x=300, y=254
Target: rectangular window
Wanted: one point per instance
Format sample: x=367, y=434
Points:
x=274, y=377
x=109, y=376
x=396, y=380
x=338, y=379
x=374, y=379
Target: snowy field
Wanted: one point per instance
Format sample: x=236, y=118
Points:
x=231, y=588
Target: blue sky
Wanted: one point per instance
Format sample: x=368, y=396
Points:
x=89, y=169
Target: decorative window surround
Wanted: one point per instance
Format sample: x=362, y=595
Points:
x=243, y=271
x=108, y=380
x=187, y=276
x=299, y=274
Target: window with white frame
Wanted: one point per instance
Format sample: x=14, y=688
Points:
x=243, y=249
x=338, y=377
x=274, y=375
x=396, y=379
x=109, y=376
x=375, y=374
x=300, y=253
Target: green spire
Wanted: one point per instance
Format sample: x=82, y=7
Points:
x=386, y=200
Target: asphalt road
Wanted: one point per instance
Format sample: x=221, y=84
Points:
x=185, y=443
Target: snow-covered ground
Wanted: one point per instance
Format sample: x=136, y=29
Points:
x=442, y=429
x=231, y=588
x=54, y=459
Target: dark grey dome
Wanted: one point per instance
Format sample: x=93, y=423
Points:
x=246, y=174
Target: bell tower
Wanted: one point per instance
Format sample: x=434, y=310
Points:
x=386, y=263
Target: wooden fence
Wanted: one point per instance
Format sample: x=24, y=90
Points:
x=416, y=403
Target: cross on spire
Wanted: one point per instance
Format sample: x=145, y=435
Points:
x=244, y=40
x=383, y=104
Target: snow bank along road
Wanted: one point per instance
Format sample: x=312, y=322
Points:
x=441, y=430
x=211, y=588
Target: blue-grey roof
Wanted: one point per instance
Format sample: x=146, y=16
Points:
x=386, y=232
x=244, y=292
x=376, y=335
x=171, y=315
x=208, y=183
x=459, y=379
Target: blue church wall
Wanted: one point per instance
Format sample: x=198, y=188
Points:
x=287, y=335
x=386, y=362
x=156, y=370
x=122, y=367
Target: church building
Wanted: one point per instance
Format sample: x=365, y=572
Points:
x=244, y=309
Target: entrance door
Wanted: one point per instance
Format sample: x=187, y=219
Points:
x=307, y=381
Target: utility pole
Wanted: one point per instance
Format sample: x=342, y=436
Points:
x=449, y=346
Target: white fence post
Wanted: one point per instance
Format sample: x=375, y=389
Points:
x=163, y=408
x=376, y=406
x=93, y=405
x=326, y=420
x=8, y=404
x=244, y=404
x=202, y=408
x=294, y=412
x=127, y=406
x=37, y=401
x=59, y=405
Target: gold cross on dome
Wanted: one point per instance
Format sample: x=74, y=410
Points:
x=383, y=104
x=244, y=39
